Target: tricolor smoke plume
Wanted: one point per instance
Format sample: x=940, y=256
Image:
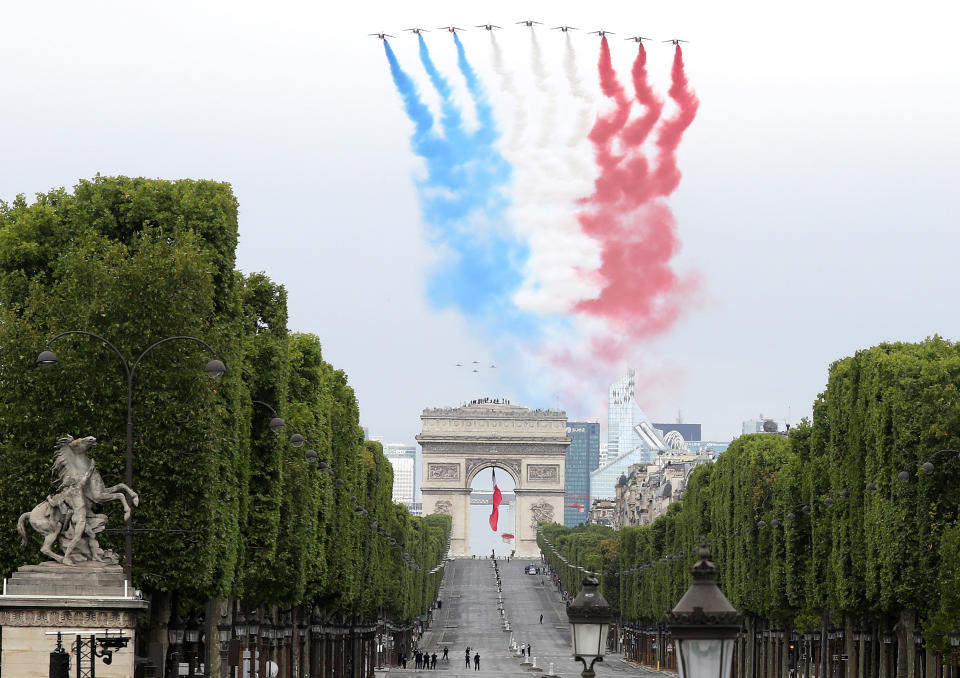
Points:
x=462, y=198
x=641, y=294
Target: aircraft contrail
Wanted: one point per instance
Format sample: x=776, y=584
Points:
x=641, y=293
x=667, y=174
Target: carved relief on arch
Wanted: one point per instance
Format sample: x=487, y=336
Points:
x=443, y=471
x=541, y=512
x=543, y=472
x=444, y=506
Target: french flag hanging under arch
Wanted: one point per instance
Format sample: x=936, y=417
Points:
x=497, y=498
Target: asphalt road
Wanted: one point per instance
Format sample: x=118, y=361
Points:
x=469, y=617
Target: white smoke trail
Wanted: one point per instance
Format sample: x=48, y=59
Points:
x=551, y=175
x=585, y=113
x=548, y=121
x=518, y=124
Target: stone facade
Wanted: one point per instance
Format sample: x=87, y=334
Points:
x=87, y=598
x=460, y=442
x=648, y=490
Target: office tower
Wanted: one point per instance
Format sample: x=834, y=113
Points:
x=583, y=456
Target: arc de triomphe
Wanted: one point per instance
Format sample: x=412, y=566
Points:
x=460, y=442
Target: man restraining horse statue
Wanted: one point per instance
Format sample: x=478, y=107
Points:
x=68, y=514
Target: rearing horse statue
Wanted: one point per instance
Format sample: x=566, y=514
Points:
x=69, y=513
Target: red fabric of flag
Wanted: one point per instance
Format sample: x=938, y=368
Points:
x=495, y=514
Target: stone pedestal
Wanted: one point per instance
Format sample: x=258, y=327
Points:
x=84, y=598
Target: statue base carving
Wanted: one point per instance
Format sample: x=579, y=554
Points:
x=85, y=597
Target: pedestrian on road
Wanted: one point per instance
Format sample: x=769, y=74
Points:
x=445, y=655
x=468, y=657
x=439, y=604
x=403, y=660
x=541, y=618
x=529, y=650
x=523, y=649
x=476, y=662
x=433, y=660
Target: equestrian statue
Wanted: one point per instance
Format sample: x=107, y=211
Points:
x=68, y=515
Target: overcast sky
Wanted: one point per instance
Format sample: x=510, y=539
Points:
x=818, y=207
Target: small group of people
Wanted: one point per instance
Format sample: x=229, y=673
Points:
x=423, y=660
x=476, y=660
x=525, y=650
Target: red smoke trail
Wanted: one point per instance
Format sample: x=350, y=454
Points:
x=667, y=175
x=641, y=294
x=637, y=131
x=607, y=127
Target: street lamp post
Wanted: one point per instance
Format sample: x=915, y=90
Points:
x=214, y=367
x=175, y=633
x=224, y=636
x=590, y=616
x=704, y=624
x=191, y=639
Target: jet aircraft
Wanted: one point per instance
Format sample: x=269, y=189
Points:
x=451, y=29
x=382, y=36
x=676, y=41
x=529, y=22
x=602, y=33
x=418, y=31
x=639, y=38
x=563, y=28
x=488, y=27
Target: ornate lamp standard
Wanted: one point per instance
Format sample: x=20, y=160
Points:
x=704, y=624
x=175, y=633
x=589, y=615
x=224, y=636
x=191, y=639
x=215, y=368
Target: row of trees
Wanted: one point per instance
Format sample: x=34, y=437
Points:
x=137, y=260
x=840, y=521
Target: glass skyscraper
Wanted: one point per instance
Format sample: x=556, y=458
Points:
x=620, y=404
x=583, y=456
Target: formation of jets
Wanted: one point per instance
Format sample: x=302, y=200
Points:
x=526, y=22
x=476, y=366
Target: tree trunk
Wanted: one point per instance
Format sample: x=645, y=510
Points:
x=160, y=604
x=906, y=650
x=824, y=648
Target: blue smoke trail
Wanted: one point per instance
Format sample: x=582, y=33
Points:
x=463, y=198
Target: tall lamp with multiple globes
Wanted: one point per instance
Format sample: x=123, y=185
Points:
x=704, y=624
x=590, y=616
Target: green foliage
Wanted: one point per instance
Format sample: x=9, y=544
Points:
x=835, y=546
x=137, y=260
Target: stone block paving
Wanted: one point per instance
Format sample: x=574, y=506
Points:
x=469, y=618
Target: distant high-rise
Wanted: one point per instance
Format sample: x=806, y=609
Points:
x=688, y=431
x=761, y=425
x=583, y=456
x=403, y=459
x=620, y=416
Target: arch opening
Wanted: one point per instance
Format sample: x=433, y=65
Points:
x=483, y=539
